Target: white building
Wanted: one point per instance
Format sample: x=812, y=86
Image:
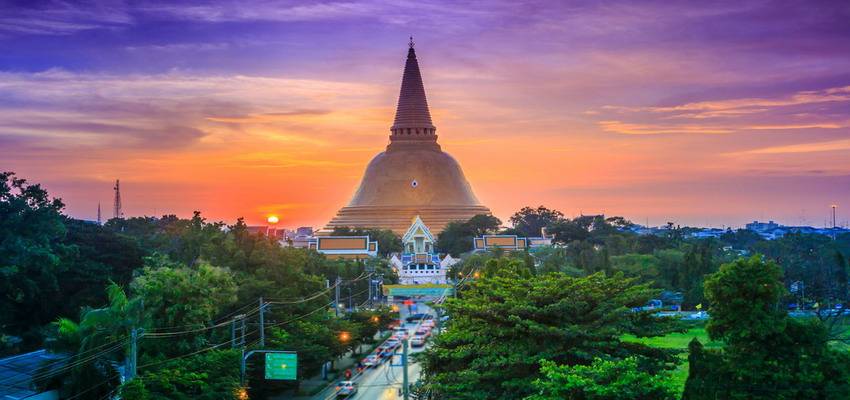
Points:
x=419, y=263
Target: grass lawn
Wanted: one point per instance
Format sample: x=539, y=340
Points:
x=679, y=341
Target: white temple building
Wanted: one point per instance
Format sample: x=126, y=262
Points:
x=419, y=262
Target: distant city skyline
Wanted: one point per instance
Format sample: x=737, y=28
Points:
x=701, y=114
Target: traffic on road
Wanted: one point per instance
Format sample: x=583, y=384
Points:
x=378, y=374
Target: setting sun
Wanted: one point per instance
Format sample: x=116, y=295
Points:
x=273, y=219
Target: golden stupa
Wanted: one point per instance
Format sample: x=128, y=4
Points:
x=413, y=176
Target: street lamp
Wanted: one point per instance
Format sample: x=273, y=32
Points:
x=834, y=206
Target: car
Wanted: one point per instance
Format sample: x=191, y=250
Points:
x=400, y=333
x=389, y=346
x=371, y=360
x=416, y=317
x=423, y=331
x=418, y=341
x=346, y=389
x=429, y=323
x=699, y=315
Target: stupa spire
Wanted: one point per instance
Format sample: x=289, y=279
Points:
x=412, y=117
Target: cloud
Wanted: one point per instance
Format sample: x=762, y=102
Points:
x=164, y=111
x=803, y=110
x=753, y=105
x=833, y=145
x=62, y=18
x=645, y=129
x=261, y=11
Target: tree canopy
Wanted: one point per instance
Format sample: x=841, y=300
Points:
x=509, y=320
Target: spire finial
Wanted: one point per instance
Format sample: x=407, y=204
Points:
x=411, y=43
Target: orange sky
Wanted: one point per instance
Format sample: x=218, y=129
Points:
x=274, y=113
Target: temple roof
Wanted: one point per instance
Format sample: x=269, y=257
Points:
x=412, y=111
x=417, y=228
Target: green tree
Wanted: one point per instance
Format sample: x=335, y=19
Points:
x=509, y=320
x=644, y=267
x=767, y=355
x=555, y=259
x=31, y=231
x=98, y=343
x=456, y=238
x=741, y=238
x=179, y=298
x=213, y=375
x=530, y=221
x=699, y=261
x=602, y=380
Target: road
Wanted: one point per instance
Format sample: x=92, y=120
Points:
x=384, y=381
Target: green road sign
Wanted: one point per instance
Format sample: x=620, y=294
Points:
x=433, y=290
x=282, y=366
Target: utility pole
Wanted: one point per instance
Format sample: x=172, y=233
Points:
x=371, y=282
x=833, y=215
x=350, y=305
x=405, y=389
x=336, y=297
x=133, y=356
x=233, y=333
x=233, y=329
x=262, y=324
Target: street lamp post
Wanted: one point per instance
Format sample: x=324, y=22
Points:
x=834, y=206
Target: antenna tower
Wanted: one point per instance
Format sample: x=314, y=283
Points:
x=116, y=211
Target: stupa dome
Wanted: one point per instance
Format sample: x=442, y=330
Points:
x=413, y=176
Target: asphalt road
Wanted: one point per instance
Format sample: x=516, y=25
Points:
x=384, y=381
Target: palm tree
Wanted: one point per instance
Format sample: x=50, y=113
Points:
x=99, y=343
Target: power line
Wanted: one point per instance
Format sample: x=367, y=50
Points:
x=51, y=373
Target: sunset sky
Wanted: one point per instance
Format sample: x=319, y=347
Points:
x=701, y=113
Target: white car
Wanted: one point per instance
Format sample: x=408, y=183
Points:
x=400, y=333
x=371, y=360
x=418, y=341
x=346, y=388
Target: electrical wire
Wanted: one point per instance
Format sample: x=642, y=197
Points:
x=51, y=373
x=88, y=390
x=156, y=333
x=213, y=347
x=78, y=355
x=164, y=330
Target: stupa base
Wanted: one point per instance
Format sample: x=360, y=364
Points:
x=398, y=218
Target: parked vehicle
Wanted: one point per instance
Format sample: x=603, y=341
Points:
x=418, y=341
